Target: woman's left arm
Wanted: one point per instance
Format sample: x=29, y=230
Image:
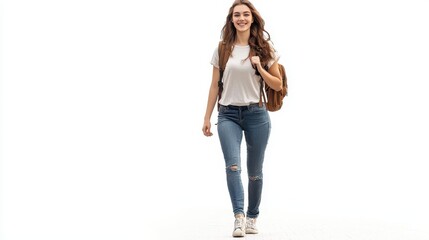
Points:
x=271, y=77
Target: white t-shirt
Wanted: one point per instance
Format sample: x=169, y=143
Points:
x=240, y=83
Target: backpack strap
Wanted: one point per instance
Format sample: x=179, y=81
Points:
x=261, y=89
x=222, y=56
x=261, y=93
x=222, y=64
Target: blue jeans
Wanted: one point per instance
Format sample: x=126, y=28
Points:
x=255, y=122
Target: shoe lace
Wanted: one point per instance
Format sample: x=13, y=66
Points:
x=250, y=223
x=238, y=223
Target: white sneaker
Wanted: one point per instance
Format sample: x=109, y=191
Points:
x=239, y=227
x=251, y=226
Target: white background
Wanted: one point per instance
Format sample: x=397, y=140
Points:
x=103, y=104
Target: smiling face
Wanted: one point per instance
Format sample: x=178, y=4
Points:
x=242, y=18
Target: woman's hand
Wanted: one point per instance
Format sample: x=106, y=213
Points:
x=272, y=77
x=256, y=61
x=206, y=129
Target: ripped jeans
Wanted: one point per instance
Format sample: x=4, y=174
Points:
x=255, y=123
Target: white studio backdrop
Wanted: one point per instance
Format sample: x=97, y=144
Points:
x=103, y=104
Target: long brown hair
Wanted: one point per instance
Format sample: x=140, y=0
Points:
x=258, y=42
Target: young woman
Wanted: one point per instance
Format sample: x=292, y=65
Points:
x=251, y=56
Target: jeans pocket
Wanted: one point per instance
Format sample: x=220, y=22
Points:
x=257, y=108
x=222, y=108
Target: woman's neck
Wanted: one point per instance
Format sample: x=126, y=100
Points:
x=242, y=38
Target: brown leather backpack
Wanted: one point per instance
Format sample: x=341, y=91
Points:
x=272, y=99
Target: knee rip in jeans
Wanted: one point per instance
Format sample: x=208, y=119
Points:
x=233, y=168
x=255, y=178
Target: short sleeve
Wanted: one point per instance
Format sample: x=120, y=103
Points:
x=215, y=58
x=276, y=56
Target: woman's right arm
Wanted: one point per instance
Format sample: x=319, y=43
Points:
x=211, y=102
